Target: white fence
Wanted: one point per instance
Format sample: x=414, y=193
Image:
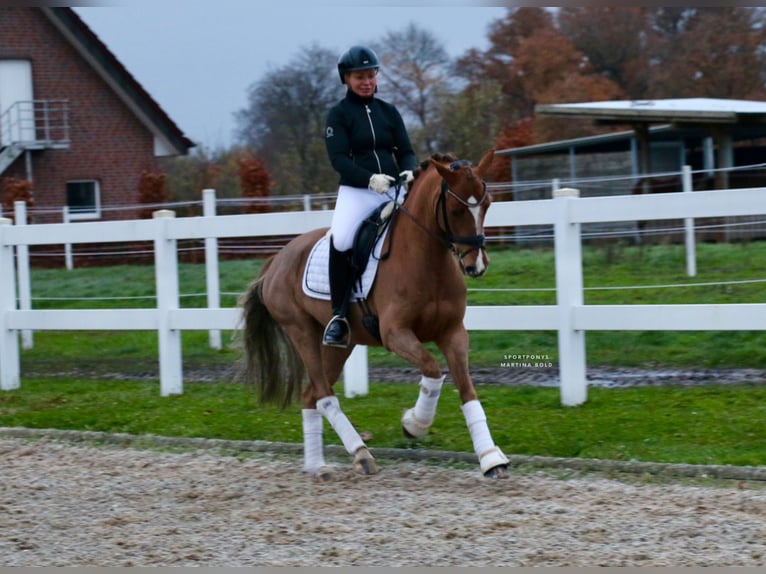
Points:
x=569, y=316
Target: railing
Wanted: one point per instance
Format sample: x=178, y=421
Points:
x=36, y=124
x=570, y=317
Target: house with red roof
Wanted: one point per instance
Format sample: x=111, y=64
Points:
x=74, y=122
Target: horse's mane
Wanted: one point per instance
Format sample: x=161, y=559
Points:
x=438, y=157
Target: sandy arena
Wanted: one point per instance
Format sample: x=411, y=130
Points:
x=65, y=504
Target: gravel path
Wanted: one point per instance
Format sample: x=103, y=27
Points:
x=63, y=504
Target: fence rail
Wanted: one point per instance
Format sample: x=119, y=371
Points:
x=569, y=316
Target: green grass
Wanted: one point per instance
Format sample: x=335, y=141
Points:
x=711, y=424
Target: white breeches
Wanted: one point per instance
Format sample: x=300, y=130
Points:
x=351, y=207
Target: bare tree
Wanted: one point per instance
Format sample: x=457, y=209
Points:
x=415, y=70
x=284, y=121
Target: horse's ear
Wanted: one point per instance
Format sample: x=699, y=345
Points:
x=485, y=162
x=443, y=170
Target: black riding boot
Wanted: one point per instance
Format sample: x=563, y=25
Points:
x=337, y=332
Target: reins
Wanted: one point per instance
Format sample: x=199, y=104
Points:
x=448, y=239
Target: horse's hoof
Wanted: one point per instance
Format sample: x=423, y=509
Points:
x=494, y=464
x=412, y=427
x=500, y=471
x=364, y=463
x=324, y=474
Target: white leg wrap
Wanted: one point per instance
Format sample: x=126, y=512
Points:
x=313, y=451
x=330, y=408
x=418, y=420
x=489, y=455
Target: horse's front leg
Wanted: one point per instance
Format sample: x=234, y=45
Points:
x=417, y=420
x=494, y=464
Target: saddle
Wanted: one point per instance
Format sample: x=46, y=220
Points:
x=366, y=252
x=367, y=236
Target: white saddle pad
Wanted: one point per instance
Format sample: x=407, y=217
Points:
x=316, y=276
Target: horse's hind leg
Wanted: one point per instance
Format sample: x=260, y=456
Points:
x=324, y=366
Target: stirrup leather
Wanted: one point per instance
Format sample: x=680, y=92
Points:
x=331, y=343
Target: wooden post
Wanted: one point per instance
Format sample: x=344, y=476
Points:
x=10, y=361
x=569, y=294
x=211, y=267
x=22, y=269
x=691, y=247
x=355, y=373
x=166, y=277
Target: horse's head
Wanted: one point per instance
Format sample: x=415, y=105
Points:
x=461, y=208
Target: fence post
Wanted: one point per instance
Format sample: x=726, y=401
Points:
x=356, y=382
x=10, y=361
x=22, y=264
x=211, y=267
x=166, y=277
x=569, y=294
x=691, y=247
x=68, y=259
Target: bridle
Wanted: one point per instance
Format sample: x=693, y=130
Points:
x=447, y=237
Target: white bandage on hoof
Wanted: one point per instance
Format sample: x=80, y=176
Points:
x=416, y=421
x=492, y=458
x=413, y=426
x=313, y=449
x=330, y=408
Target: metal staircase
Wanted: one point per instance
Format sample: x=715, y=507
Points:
x=32, y=125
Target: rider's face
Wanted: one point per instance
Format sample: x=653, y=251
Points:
x=362, y=82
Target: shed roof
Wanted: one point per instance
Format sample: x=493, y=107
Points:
x=681, y=110
x=674, y=119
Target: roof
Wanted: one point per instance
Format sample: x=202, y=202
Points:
x=169, y=139
x=683, y=118
x=682, y=110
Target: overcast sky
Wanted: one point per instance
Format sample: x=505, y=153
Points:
x=198, y=57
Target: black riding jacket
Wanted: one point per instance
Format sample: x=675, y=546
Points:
x=365, y=136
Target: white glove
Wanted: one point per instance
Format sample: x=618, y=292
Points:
x=407, y=176
x=380, y=182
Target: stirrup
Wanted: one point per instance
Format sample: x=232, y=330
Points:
x=342, y=344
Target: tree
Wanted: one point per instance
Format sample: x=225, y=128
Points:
x=534, y=63
x=616, y=40
x=415, y=70
x=672, y=52
x=283, y=123
x=469, y=120
x=712, y=52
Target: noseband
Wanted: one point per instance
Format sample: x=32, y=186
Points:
x=474, y=242
x=448, y=238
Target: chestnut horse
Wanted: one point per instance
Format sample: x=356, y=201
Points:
x=419, y=296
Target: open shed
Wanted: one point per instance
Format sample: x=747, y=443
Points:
x=706, y=133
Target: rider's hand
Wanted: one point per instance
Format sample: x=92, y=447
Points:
x=407, y=177
x=380, y=182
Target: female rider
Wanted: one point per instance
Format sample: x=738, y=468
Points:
x=369, y=147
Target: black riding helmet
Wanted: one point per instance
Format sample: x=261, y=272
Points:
x=357, y=58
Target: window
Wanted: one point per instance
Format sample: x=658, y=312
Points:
x=83, y=199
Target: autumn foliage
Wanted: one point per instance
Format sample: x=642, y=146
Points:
x=13, y=189
x=255, y=182
x=151, y=190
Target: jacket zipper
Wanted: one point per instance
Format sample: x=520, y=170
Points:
x=374, y=139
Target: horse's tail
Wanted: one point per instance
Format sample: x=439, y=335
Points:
x=271, y=363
